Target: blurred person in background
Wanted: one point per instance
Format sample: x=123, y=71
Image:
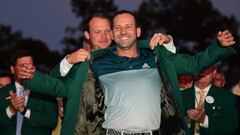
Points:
x=219, y=79
x=185, y=81
x=236, y=92
x=4, y=79
x=60, y=102
x=24, y=112
x=209, y=109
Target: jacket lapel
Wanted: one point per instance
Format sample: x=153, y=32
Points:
x=30, y=103
x=192, y=98
x=207, y=105
x=13, y=87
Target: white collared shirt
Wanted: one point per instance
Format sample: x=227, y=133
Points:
x=197, y=98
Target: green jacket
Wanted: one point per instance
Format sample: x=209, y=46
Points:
x=222, y=113
x=43, y=116
x=170, y=64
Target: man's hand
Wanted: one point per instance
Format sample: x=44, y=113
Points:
x=187, y=85
x=225, y=38
x=78, y=56
x=197, y=115
x=189, y=120
x=16, y=102
x=60, y=107
x=236, y=89
x=27, y=71
x=159, y=38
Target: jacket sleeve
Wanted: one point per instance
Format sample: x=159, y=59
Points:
x=46, y=84
x=58, y=87
x=186, y=64
x=55, y=72
x=61, y=69
x=4, y=120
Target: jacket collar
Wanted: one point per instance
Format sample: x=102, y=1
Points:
x=97, y=53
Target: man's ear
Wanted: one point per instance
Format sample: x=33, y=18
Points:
x=214, y=73
x=138, y=31
x=111, y=34
x=12, y=69
x=86, y=35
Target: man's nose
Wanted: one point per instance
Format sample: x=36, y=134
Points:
x=123, y=31
x=104, y=35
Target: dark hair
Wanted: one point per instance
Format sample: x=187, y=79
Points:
x=19, y=54
x=126, y=12
x=98, y=15
x=5, y=74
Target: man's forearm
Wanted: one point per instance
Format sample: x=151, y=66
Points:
x=64, y=67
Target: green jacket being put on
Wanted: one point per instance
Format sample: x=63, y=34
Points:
x=84, y=108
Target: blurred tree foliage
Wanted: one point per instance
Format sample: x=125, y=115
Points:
x=11, y=41
x=190, y=22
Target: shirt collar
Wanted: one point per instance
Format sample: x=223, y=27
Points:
x=114, y=55
x=205, y=89
x=18, y=87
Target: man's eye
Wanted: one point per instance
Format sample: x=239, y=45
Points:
x=108, y=31
x=128, y=26
x=117, y=28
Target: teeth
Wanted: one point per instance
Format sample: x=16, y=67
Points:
x=123, y=37
x=103, y=41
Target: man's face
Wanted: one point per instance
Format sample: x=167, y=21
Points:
x=100, y=33
x=4, y=81
x=205, y=79
x=27, y=60
x=125, y=32
x=219, y=80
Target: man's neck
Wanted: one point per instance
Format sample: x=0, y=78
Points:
x=202, y=86
x=19, y=81
x=130, y=53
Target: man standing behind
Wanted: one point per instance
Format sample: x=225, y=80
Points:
x=4, y=80
x=24, y=112
x=209, y=109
